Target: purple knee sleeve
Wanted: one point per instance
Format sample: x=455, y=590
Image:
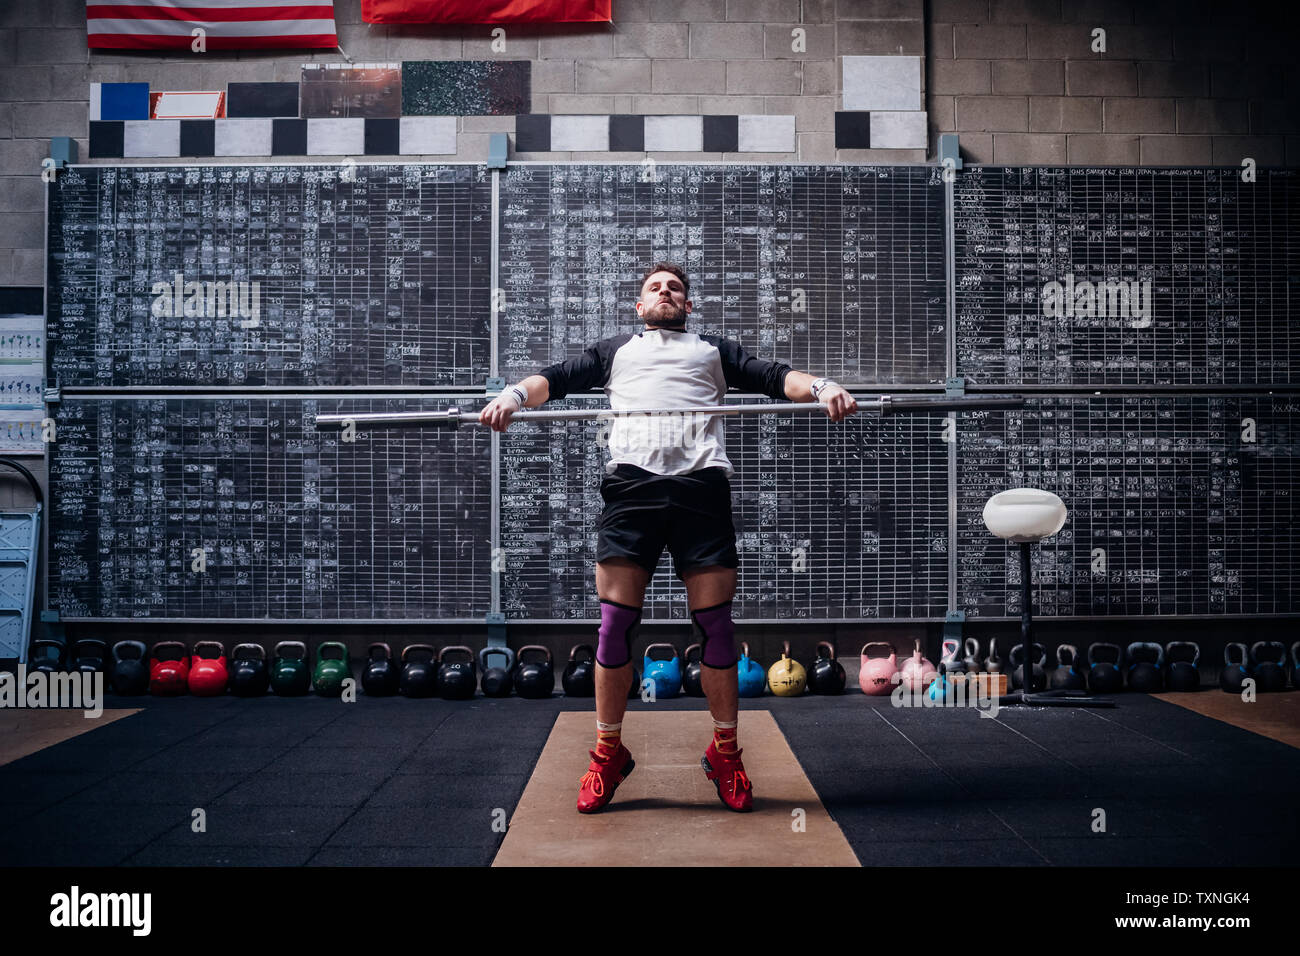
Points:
x=618, y=626
x=718, y=635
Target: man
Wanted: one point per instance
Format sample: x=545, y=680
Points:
x=666, y=488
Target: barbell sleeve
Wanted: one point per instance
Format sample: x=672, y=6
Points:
x=453, y=417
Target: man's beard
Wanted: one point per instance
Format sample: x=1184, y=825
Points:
x=672, y=318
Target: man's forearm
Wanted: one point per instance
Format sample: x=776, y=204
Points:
x=538, y=389
x=798, y=386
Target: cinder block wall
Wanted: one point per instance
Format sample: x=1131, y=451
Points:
x=1182, y=82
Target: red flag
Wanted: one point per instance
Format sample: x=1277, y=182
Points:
x=226, y=24
x=485, y=11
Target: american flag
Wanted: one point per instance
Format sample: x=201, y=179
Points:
x=227, y=24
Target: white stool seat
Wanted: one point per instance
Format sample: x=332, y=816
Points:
x=1024, y=514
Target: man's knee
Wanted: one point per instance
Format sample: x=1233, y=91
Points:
x=717, y=635
x=618, y=628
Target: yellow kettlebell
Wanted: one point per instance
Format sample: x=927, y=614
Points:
x=787, y=677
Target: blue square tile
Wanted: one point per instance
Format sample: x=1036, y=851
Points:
x=123, y=101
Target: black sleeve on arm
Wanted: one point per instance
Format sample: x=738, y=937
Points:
x=585, y=371
x=750, y=374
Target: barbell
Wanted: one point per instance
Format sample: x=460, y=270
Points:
x=453, y=417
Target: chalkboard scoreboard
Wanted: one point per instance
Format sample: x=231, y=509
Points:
x=170, y=503
x=1127, y=277
x=170, y=507
x=833, y=268
x=833, y=522
x=1178, y=504
x=358, y=275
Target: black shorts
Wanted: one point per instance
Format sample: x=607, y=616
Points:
x=689, y=514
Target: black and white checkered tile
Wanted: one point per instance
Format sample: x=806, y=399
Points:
x=155, y=139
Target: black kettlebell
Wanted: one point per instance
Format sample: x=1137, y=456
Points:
x=1269, y=660
x=419, y=671
x=89, y=656
x=46, y=656
x=130, y=668
x=949, y=662
x=1295, y=665
x=826, y=676
x=993, y=664
x=693, y=672
x=1146, y=662
x=457, y=680
x=497, y=681
x=1234, y=673
x=1066, y=676
x=1182, y=673
x=249, y=674
x=1037, y=675
x=381, y=676
x=972, y=658
x=579, y=677
x=534, y=679
x=1104, y=675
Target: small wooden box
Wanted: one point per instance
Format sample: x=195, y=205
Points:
x=986, y=685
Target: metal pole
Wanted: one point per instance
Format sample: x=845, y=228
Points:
x=454, y=417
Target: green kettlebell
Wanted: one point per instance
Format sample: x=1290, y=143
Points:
x=332, y=668
x=289, y=674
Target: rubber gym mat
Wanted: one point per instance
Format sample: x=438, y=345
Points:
x=1276, y=716
x=667, y=813
x=24, y=732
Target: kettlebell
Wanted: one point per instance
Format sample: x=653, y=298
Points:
x=130, y=668
x=826, y=676
x=1269, y=660
x=169, y=669
x=787, y=677
x=1066, y=675
x=249, y=675
x=972, y=655
x=1104, y=675
x=877, y=675
x=1037, y=675
x=457, y=680
x=749, y=674
x=1183, y=673
x=333, y=666
x=89, y=656
x=535, y=679
x=666, y=673
x=1146, y=662
x=46, y=656
x=917, y=672
x=1295, y=665
x=290, y=675
x=209, y=673
x=497, y=681
x=1234, y=673
x=693, y=672
x=419, y=672
x=949, y=662
x=994, y=663
x=381, y=676
x=579, y=677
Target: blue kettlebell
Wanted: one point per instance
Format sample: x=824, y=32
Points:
x=752, y=677
x=666, y=674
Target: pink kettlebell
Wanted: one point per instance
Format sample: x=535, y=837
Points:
x=918, y=673
x=876, y=677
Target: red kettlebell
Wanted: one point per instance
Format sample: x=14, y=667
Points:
x=876, y=677
x=917, y=672
x=169, y=669
x=209, y=673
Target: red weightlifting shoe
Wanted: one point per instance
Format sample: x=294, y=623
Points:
x=728, y=775
x=603, y=777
